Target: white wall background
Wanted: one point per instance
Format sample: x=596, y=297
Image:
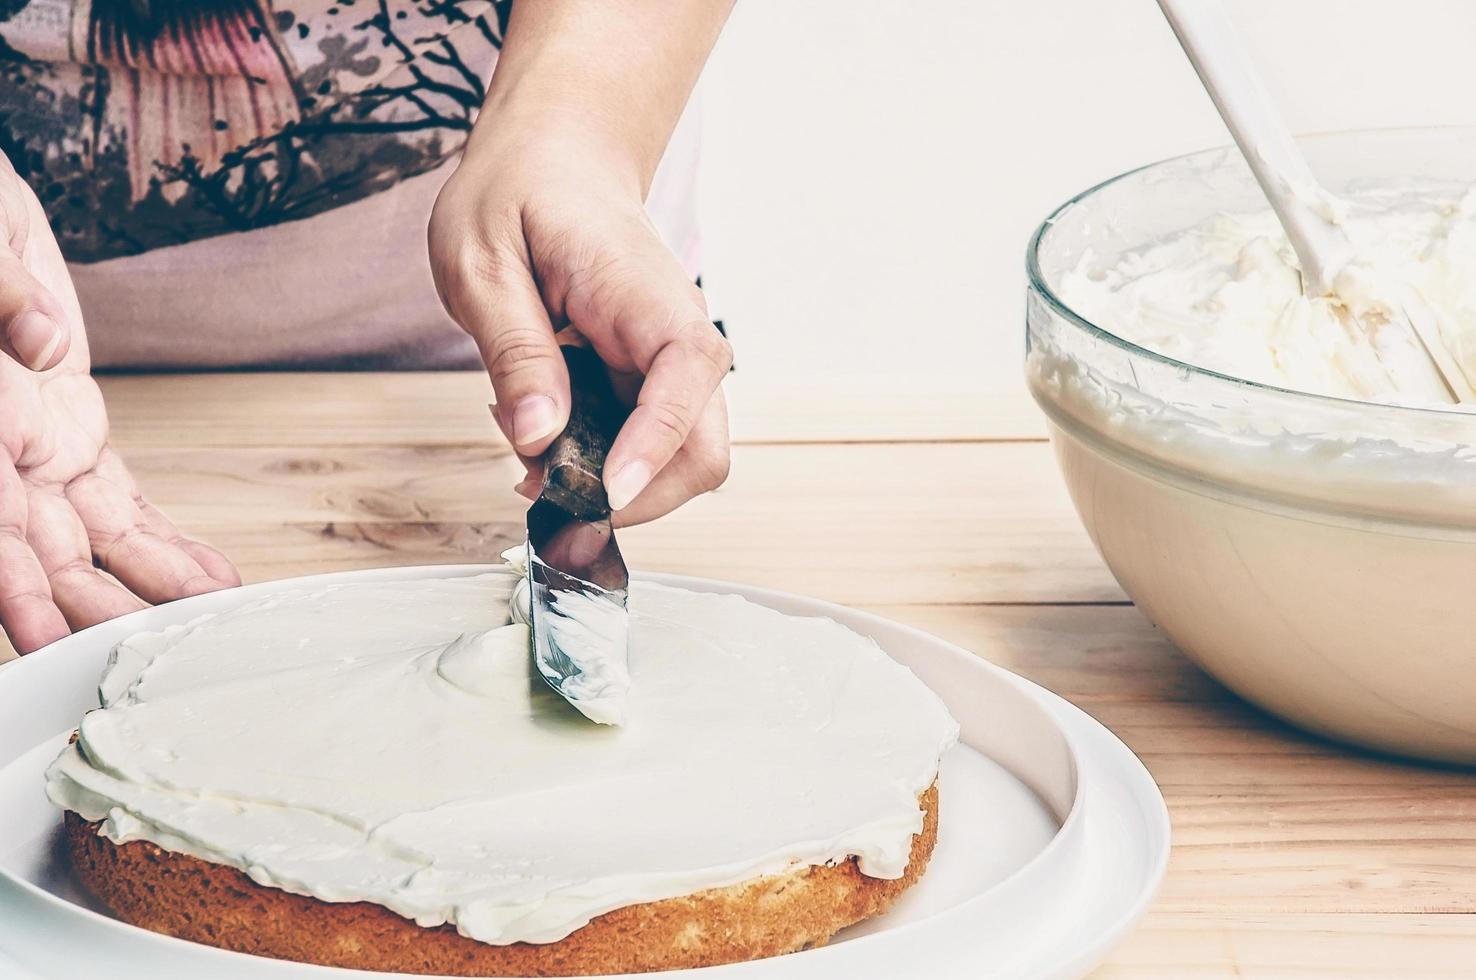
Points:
x=873, y=168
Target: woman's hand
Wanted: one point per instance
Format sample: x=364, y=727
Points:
x=543, y=226
x=544, y=238
x=69, y=510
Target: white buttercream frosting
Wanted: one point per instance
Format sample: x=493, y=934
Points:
x=1226, y=295
x=390, y=742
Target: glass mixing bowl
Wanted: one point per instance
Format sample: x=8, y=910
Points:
x=1315, y=554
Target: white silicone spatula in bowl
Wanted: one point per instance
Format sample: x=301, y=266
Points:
x=1306, y=210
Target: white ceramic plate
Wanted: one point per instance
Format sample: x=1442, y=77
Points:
x=1052, y=836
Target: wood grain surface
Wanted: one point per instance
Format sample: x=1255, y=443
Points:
x=1293, y=858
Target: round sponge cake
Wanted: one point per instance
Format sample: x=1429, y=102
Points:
x=372, y=775
x=183, y=896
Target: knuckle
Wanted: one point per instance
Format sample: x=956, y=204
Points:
x=598, y=290
x=185, y=585
x=458, y=273
x=26, y=594
x=519, y=351
x=468, y=257
x=704, y=341
x=673, y=420
x=713, y=469
x=559, y=247
x=111, y=552
x=71, y=568
x=453, y=270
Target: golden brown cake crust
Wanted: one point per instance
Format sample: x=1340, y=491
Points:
x=183, y=896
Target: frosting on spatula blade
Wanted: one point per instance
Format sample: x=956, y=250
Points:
x=576, y=585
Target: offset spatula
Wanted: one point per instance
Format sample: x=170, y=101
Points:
x=576, y=577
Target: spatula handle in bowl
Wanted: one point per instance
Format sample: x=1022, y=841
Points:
x=1214, y=48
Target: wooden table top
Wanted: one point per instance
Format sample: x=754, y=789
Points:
x=1292, y=858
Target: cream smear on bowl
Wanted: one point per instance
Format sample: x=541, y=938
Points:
x=391, y=742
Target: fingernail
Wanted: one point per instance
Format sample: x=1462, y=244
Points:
x=533, y=418
x=627, y=483
x=35, y=337
x=529, y=488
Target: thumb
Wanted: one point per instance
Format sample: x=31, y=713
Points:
x=31, y=330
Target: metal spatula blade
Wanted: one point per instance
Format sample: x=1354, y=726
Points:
x=577, y=579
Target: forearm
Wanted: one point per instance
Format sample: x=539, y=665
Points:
x=618, y=72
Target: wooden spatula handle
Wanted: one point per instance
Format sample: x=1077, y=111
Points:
x=575, y=461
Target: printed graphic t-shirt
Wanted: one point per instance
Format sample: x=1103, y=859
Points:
x=247, y=182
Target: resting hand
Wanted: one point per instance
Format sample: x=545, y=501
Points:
x=69, y=510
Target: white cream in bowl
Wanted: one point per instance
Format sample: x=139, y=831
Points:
x=1226, y=294
x=1255, y=467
